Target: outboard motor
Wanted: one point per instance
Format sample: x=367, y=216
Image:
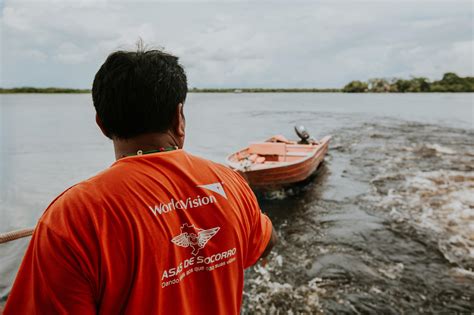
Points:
x=303, y=134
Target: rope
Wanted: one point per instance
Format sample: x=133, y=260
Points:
x=13, y=235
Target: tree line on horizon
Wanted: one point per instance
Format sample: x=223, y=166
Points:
x=48, y=90
x=450, y=82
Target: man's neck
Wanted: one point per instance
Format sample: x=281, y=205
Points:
x=145, y=142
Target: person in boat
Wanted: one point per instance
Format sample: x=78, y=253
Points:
x=160, y=231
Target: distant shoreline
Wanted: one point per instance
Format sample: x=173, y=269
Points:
x=85, y=91
x=49, y=90
x=54, y=90
x=450, y=83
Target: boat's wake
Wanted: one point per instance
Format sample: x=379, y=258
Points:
x=266, y=295
x=386, y=229
x=440, y=201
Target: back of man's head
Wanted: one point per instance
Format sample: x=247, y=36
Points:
x=137, y=93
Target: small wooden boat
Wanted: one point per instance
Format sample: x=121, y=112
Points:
x=278, y=162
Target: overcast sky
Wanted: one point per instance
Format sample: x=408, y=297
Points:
x=239, y=44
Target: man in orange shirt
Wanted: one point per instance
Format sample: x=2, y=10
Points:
x=160, y=231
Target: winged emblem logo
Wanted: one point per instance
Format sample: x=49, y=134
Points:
x=194, y=237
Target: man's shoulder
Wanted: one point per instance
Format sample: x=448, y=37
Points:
x=86, y=189
x=219, y=168
x=232, y=180
x=75, y=203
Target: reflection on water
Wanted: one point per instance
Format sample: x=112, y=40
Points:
x=384, y=227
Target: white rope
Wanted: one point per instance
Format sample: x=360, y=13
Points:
x=13, y=235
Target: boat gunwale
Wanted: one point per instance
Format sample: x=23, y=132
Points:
x=323, y=142
x=283, y=181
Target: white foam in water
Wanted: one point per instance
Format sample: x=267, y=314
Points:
x=276, y=195
x=440, y=149
x=267, y=296
x=441, y=201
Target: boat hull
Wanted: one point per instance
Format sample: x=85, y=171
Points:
x=286, y=175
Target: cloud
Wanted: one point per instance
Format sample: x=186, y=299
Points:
x=239, y=44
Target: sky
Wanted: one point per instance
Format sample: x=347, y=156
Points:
x=222, y=44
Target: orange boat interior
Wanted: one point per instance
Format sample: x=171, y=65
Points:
x=276, y=150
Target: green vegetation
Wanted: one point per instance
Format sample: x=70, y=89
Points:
x=453, y=83
x=450, y=82
x=263, y=90
x=356, y=87
x=193, y=90
x=28, y=89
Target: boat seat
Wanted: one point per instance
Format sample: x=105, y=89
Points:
x=297, y=154
x=254, y=158
x=267, y=148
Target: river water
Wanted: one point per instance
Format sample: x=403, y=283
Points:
x=385, y=226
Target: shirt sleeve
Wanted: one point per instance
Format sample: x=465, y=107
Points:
x=259, y=238
x=50, y=280
x=260, y=225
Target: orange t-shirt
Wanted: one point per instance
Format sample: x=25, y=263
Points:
x=163, y=233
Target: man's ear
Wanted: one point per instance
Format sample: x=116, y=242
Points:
x=180, y=121
x=101, y=126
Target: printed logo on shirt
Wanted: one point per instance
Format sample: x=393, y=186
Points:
x=194, y=237
x=190, y=202
x=216, y=187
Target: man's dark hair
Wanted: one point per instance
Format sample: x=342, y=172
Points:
x=137, y=92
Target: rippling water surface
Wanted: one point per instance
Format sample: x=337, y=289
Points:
x=385, y=226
